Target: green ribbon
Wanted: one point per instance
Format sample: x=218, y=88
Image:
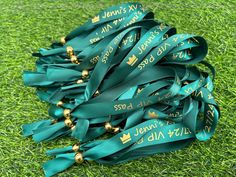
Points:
x=176, y=39
x=108, y=23
x=151, y=136
x=150, y=96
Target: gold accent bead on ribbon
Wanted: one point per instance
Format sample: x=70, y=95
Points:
x=68, y=122
x=110, y=128
x=59, y=104
x=85, y=73
x=75, y=147
x=80, y=81
x=74, y=59
x=66, y=113
x=69, y=51
x=79, y=158
x=116, y=130
x=96, y=93
x=54, y=121
x=72, y=127
x=63, y=40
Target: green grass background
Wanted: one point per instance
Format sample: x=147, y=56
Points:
x=27, y=25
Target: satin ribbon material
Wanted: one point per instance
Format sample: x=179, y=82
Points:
x=128, y=75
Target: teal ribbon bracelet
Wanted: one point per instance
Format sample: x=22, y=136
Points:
x=126, y=74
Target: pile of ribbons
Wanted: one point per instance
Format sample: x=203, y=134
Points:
x=125, y=74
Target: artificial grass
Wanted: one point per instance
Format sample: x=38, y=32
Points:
x=27, y=25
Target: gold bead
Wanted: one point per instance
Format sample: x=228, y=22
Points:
x=69, y=51
x=79, y=158
x=59, y=104
x=115, y=129
x=85, y=73
x=80, y=81
x=68, y=123
x=96, y=93
x=111, y=129
x=75, y=147
x=66, y=113
x=108, y=126
x=54, y=121
x=186, y=83
x=63, y=40
x=72, y=127
x=74, y=60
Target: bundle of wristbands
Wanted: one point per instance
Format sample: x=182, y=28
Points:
x=124, y=74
